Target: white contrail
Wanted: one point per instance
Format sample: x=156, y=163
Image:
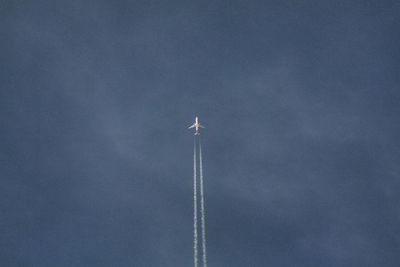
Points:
x=203, y=212
x=195, y=251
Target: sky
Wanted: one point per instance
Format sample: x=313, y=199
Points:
x=301, y=151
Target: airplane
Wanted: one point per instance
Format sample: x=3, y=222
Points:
x=197, y=126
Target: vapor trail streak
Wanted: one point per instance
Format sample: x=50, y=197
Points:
x=195, y=241
x=203, y=212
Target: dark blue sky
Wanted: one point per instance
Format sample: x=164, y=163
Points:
x=301, y=151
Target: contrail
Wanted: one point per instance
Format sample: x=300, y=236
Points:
x=203, y=212
x=195, y=251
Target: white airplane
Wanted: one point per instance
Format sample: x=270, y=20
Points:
x=197, y=126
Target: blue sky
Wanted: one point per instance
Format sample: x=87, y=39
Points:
x=301, y=150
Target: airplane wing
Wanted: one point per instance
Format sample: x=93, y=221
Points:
x=190, y=127
x=201, y=126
